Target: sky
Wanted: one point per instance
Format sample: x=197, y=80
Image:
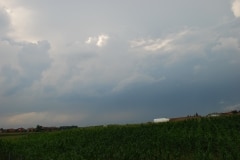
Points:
x=116, y=62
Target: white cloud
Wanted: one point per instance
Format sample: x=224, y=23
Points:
x=152, y=44
x=21, y=19
x=236, y=8
x=102, y=40
x=158, y=44
x=137, y=43
x=173, y=47
x=99, y=41
x=91, y=40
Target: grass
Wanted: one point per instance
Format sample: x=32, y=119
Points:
x=203, y=138
x=5, y=136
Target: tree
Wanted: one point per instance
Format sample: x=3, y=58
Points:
x=39, y=128
x=234, y=111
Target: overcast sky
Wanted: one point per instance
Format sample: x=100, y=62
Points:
x=101, y=62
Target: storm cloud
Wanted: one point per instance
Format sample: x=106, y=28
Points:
x=90, y=63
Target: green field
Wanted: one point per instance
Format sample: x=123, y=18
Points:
x=204, y=138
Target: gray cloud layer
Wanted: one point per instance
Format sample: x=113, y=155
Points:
x=123, y=62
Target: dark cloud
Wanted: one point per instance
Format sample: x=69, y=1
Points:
x=194, y=82
x=34, y=59
x=117, y=62
x=30, y=60
x=4, y=22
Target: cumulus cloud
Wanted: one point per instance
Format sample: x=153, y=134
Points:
x=236, y=8
x=99, y=41
x=20, y=21
x=102, y=40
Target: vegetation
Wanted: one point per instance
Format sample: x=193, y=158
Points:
x=201, y=138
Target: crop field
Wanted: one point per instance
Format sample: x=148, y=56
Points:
x=213, y=138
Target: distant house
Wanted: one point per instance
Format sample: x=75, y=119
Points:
x=213, y=115
x=11, y=130
x=21, y=130
x=31, y=130
x=160, y=120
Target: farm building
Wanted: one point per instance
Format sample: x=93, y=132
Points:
x=20, y=130
x=213, y=115
x=159, y=120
